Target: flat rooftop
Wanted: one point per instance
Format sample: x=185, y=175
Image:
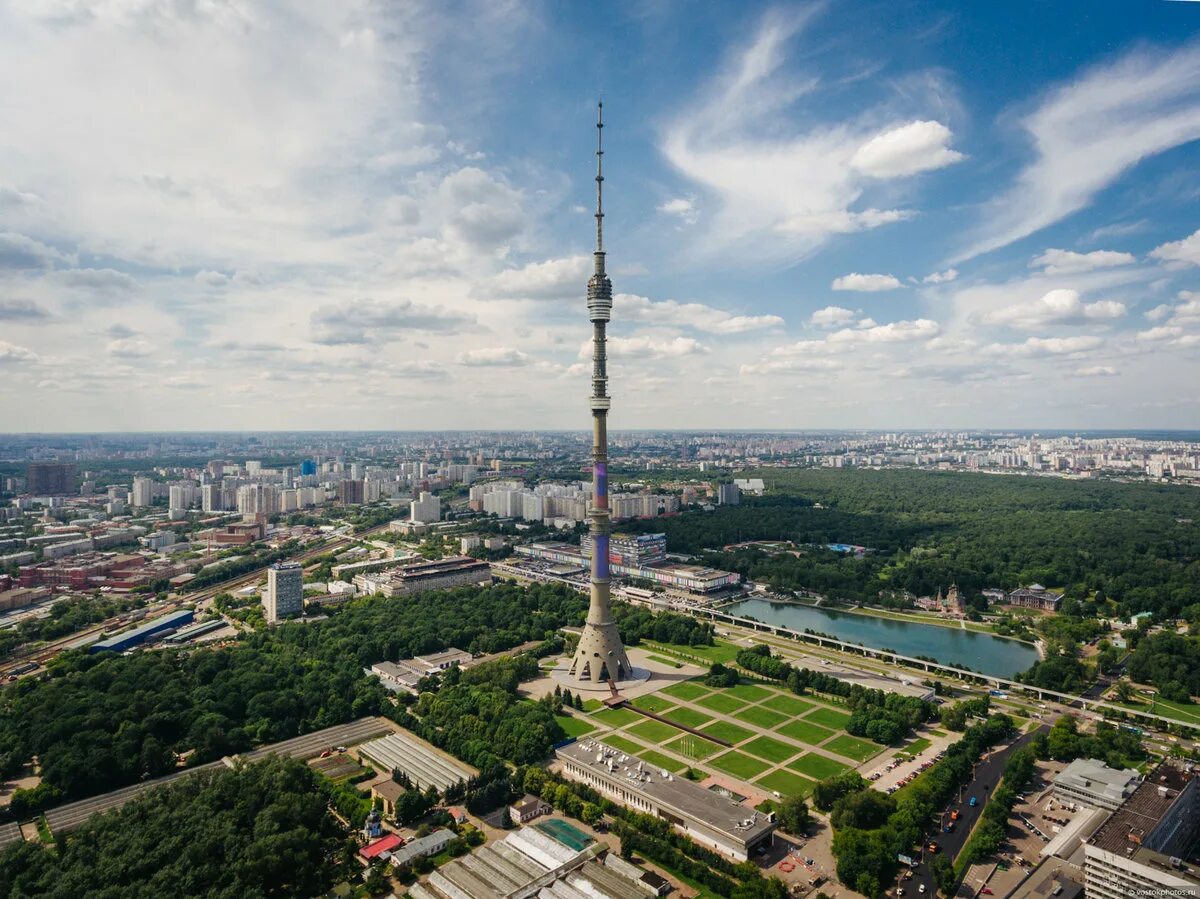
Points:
x=1093, y=776
x=676, y=793
x=1142, y=811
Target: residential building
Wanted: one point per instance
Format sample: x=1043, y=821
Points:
x=143, y=492
x=1141, y=849
x=439, y=574
x=527, y=808
x=50, y=478
x=421, y=847
x=728, y=494
x=1092, y=783
x=711, y=819
x=426, y=508
x=285, y=591
x=351, y=492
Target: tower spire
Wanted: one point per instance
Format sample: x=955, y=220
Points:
x=599, y=188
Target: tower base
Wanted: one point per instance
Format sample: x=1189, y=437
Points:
x=562, y=674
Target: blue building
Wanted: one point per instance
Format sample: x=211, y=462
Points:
x=307, y=467
x=139, y=635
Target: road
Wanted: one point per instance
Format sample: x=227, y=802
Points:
x=987, y=775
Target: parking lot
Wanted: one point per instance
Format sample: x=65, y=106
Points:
x=887, y=773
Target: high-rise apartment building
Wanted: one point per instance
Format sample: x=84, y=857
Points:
x=50, y=478
x=426, y=508
x=351, y=492
x=728, y=494
x=143, y=492
x=285, y=591
x=258, y=499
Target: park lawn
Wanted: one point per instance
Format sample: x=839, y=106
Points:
x=831, y=718
x=770, y=749
x=574, y=727
x=688, y=717
x=727, y=731
x=590, y=705
x=663, y=660
x=852, y=747
x=740, y=765
x=652, y=731
x=1187, y=714
x=920, y=744
x=802, y=730
x=658, y=760
x=693, y=747
x=749, y=692
x=616, y=741
x=720, y=702
x=761, y=717
x=789, y=705
x=617, y=717
x=937, y=733
x=785, y=783
x=720, y=651
x=817, y=766
x=653, y=703
x=688, y=689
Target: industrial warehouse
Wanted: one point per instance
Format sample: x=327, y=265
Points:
x=642, y=556
x=708, y=817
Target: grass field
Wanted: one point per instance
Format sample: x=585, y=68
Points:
x=616, y=741
x=687, y=716
x=1185, y=714
x=692, y=747
x=740, y=765
x=852, y=747
x=590, y=705
x=574, y=727
x=831, y=718
x=802, y=730
x=817, y=766
x=720, y=651
x=658, y=760
x=689, y=690
x=616, y=717
x=652, y=731
x=760, y=717
x=920, y=744
x=789, y=705
x=749, y=692
x=720, y=702
x=663, y=660
x=653, y=703
x=727, y=731
x=770, y=749
x=785, y=783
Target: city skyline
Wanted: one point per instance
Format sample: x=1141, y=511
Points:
x=894, y=216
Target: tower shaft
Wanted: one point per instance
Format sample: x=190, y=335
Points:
x=600, y=655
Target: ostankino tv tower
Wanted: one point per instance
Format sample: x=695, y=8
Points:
x=600, y=657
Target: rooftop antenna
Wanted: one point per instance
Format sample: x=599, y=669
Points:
x=600, y=187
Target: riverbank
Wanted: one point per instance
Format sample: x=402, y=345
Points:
x=892, y=615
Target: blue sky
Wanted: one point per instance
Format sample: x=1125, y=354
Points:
x=370, y=215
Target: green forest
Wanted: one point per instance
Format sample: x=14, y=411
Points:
x=98, y=722
x=1137, y=544
x=256, y=831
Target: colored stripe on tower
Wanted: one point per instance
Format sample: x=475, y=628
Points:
x=600, y=473
x=600, y=555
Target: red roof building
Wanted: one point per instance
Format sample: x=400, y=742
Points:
x=372, y=851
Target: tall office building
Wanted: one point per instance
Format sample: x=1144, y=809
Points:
x=426, y=508
x=600, y=656
x=285, y=591
x=50, y=478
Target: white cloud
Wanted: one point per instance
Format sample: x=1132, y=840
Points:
x=1066, y=262
x=789, y=366
x=1088, y=132
x=647, y=347
x=554, y=279
x=129, y=348
x=1059, y=306
x=369, y=321
x=945, y=277
x=1159, y=312
x=1097, y=371
x=906, y=150
x=683, y=207
x=689, y=315
x=831, y=316
x=499, y=357
x=22, y=311
x=1186, y=251
x=10, y=353
x=781, y=191
x=893, y=332
x=1048, y=346
x=210, y=278
x=20, y=252
x=866, y=283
